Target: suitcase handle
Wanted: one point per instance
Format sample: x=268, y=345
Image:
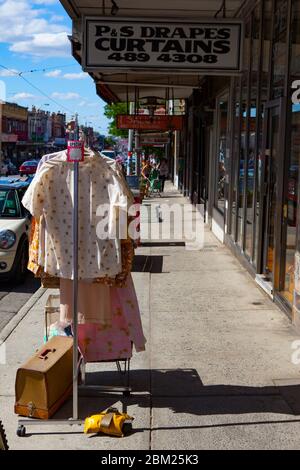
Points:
x=44, y=354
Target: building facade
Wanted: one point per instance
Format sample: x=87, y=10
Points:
x=243, y=151
x=39, y=125
x=238, y=153
x=59, y=125
x=14, y=129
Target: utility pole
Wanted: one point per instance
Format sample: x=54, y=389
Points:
x=76, y=129
x=137, y=150
x=130, y=140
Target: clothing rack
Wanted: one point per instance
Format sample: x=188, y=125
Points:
x=84, y=389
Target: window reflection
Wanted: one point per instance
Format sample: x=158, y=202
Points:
x=222, y=160
x=252, y=117
x=293, y=171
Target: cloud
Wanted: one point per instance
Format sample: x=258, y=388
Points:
x=45, y=2
x=57, y=18
x=44, y=44
x=67, y=76
x=75, y=76
x=53, y=73
x=22, y=96
x=23, y=25
x=65, y=96
x=9, y=73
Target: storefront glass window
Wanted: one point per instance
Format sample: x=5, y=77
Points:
x=221, y=170
x=264, y=97
x=279, y=56
x=243, y=135
x=293, y=173
x=242, y=162
x=252, y=156
x=235, y=153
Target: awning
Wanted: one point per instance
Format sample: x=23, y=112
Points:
x=121, y=85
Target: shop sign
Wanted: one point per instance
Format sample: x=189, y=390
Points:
x=175, y=46
x=150, y=123
x=152, y=139
x=9, y=138
x=60, y=141
x=75, y=151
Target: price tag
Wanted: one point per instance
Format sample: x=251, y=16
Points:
x=75, y=151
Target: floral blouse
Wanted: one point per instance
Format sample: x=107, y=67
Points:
x=50, y=196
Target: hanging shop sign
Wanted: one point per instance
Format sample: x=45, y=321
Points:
x=75, y=151
x=150, y=123
x=176, y=46
x=152, y=139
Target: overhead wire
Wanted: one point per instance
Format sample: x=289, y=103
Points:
x=222, y=8
x=19, y=74
x=46, y=68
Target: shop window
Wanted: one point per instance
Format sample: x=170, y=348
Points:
x=279, y=55
x=242, y=161
x=251, y=128
x=263, y=98
x=235, y=154
x=221, y=166
x=293, y=167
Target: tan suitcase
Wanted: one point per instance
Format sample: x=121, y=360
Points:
x=44, y=382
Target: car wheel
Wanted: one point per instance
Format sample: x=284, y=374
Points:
x=19, y=270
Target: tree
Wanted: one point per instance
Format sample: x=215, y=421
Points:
x=109, y=141
x=111, y=111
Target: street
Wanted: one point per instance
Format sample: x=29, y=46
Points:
x=153, y=208
x=217, y=372
x=13, y=297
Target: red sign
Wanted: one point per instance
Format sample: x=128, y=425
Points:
x=151, y=123
x=75, y=151
x=152, y=139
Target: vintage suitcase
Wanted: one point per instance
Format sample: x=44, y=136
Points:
x=44, y=382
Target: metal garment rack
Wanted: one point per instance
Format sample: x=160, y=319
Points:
x=82, y=390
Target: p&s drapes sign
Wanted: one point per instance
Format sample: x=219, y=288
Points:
x=179, y=46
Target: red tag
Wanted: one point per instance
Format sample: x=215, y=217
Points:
x=75, y=151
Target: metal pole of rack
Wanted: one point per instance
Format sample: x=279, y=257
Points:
x=75, y=276
x=75, y=290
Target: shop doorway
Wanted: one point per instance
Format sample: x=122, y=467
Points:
x=221, y=166
x=271, y=193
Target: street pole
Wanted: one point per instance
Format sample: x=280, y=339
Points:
x=137, y=150
x=75, y=278
x=130, y=139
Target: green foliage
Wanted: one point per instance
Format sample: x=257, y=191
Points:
x=109, y=142
x=111, y=111
x=156, y=151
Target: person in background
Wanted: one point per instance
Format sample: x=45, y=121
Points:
x=145, y=173
x=163, y=169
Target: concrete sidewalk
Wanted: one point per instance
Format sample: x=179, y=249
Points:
x=217, y=372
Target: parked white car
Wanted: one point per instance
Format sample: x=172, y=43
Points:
x=14, y=229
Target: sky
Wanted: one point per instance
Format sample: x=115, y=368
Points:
x=33, y=37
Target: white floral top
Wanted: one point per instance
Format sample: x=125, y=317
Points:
x=50, y=195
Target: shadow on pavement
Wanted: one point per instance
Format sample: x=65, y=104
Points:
x=147, y=264
x=182, y=391
x=29, y=286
